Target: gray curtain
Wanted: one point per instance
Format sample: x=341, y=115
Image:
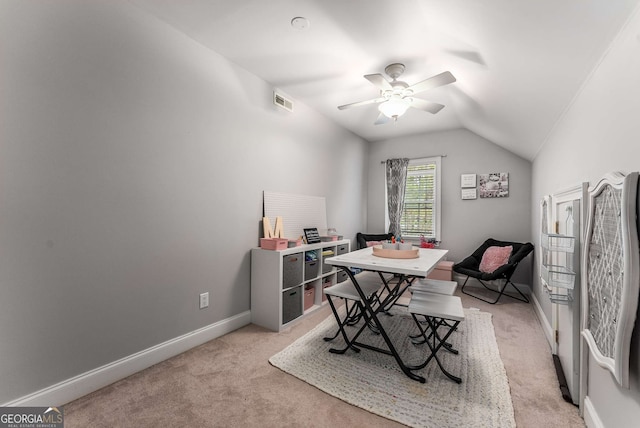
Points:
x=396, y=173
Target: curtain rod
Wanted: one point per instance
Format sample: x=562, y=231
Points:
x=422, y=157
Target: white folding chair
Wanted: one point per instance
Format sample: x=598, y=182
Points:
x=370, y=284
x=442, y=314
x=437, y=286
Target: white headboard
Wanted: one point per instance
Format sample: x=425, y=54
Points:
x=612, y=282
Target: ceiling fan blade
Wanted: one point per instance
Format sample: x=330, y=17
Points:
x=382, y=119
x=380, y=82
x=433, y=82
x=421, y=104
x=361, y=103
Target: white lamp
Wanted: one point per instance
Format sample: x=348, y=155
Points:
x=394, y=107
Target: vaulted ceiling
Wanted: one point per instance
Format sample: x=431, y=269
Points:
x=518, y=64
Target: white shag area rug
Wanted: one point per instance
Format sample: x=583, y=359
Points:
x=373, y=381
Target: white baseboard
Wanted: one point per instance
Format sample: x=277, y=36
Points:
x=544, y=322
x=591, y=418
x=85, y=383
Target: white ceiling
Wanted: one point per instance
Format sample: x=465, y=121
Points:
x=518, y=63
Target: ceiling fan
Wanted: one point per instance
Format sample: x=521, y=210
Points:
x=397, y=96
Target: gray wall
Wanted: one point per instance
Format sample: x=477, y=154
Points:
x=132, y=165
x=598, y=134
x=465, y=223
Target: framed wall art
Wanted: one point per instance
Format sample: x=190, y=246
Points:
x=469, y=194
x=494, y=185
x=467, y=180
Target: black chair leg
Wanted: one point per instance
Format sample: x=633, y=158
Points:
x=499, y=292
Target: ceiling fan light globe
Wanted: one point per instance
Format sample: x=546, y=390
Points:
x=394, y=108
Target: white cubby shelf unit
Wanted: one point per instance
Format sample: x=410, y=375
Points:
x=281, y=278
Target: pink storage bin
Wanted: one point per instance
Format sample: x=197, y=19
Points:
x=309, y=297
x=273, y=243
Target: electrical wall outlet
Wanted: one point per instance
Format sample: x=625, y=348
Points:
x=204, y=300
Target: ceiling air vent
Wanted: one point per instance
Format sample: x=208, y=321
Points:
x=283, y=102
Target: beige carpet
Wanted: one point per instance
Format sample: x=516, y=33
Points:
x=374, y=382
x=228, y=382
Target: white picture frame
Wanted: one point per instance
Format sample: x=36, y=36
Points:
x=469, y=194
x=467, y=180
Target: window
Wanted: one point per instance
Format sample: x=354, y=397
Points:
x=421, y=214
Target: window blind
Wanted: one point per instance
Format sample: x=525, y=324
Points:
x=419, y=216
